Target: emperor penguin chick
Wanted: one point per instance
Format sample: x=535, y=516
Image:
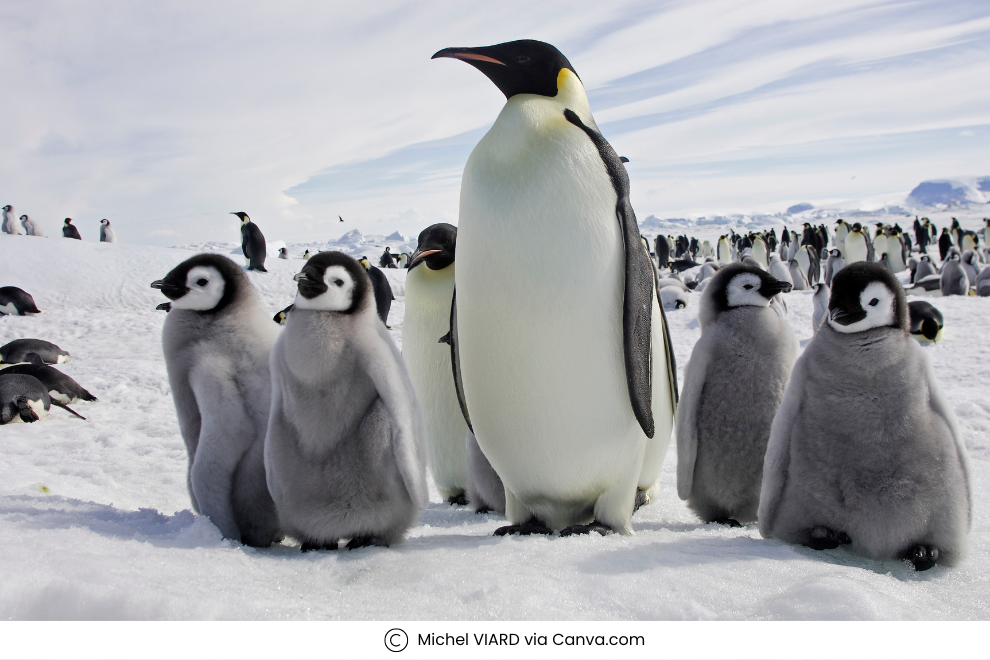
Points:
x=429, y=290
x=865, y=450
x=217, y=338
x=732, y=387
x=344, y=454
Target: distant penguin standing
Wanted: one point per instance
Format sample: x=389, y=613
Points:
x=382, y=290
x=841, y=231
x=953, y=280
x=820, y=300
x=760, y=251
x=17, y=302
x=69, y=230
x=306, y=254
x=252, y=243
x=926, y=321
x=724, y=250
x=32, y=227
x=983, y=282
x=217, y=339
x=387, y=261
x=10, y=225
x=429, y=291
x=880, y=242
x=662, y=249
x=971, y=264
x=924, y=268
x=24, y=398
x=833, y=264
x=856, y=246
x=779, y=270
x=944, y=243
x=344, y=454
x=402, y=261
x=810, y=261
x=732, y=387
x=283, y=253
x=566, y=363
x=881, y=468
x=107, y=234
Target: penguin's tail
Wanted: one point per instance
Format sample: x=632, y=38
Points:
x=65, y=407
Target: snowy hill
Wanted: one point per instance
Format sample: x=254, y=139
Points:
x=96, y=521
x=950, y=192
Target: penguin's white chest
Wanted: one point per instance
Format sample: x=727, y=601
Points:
x=855, y=248
x=539, y=306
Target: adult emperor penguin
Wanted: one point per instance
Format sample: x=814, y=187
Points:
x=732, y=387
x=345, y=450
x=429, y=290
x=662, y=248
x=20, y=350
x=107, y=234
x=32, y=227
x=760, y=251
x=856, y=246
x=944, y=243
x=841, y=230
x=252, y=243
x=882, y=467
x=69, y=230
x=217, y=339
x=926, y=321
x=779, y=270
x=10, y=225
x=17, y=302
x=724, y=251
x=566, y=363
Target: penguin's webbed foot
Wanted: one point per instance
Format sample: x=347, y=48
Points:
x=460, y=499
x=484, y=508
x=318, y=545
x=531, y=526
x=364, y=542
x=823, y=538
x=923, y=557
x=594, y=526
x=640, y=499
x=728, y=522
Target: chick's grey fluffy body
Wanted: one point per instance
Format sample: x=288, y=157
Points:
x=340, y=462
x=866, y=444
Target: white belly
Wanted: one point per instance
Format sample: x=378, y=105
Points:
x=539, y=307
x=855, y=248
x=427, y=319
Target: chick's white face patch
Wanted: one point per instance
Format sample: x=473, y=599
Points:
x=878, y=303
x=339, y=294
x=206, y=286
x=744, y=289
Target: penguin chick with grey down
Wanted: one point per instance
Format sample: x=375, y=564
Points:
x=732, y=387
x=865, y=450
x=217, y=338
x=345, y=450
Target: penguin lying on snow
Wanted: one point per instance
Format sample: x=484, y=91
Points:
x=880, y=468
x=19, y=350
x=216, y=341
x=60, y=387
x=16, y=302
x=252, y=243
x=429, y=292
x=345, y=453
x=23, y=398
x=732, y=387
x=925, y=320
x=565, y=363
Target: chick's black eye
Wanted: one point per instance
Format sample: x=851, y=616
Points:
x=748, y=287
x=202, y=281
x=874, y=302
x=339, y=282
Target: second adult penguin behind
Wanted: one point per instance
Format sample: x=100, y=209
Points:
x=429, y=289
x=252, y=243
x=566, y=363
x=732, y=388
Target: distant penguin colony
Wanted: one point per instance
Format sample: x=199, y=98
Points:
x=217, y=339
x=537, y=377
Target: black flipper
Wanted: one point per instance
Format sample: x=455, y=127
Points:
x=451, y=339
x=640, y=288
x=65, y=407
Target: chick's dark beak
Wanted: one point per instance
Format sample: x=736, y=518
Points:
x=171, y=290
x=770, y=289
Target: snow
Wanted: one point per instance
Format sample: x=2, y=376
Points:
x=950, y=192
x=96, y=518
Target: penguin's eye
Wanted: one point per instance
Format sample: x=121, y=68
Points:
x=874, y=302
x=339, y=282
x=747, y=286
x=202, y=281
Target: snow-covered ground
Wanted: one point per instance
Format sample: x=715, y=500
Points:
x=95, y=519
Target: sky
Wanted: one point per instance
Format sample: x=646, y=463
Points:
x=165, y=117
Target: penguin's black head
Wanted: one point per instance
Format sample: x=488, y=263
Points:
x=68, y=221
x=206, y=283
x=436, y=247
x=835, y=252
x=242, y=215
x=7, y=207
x=740, y=284
x=333, y=282
x=516, y=67
x=105, y=222
x=857, y=227
x=23, y=217
x=865, y=296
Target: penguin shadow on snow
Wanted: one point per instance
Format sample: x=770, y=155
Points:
x=183, y=529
